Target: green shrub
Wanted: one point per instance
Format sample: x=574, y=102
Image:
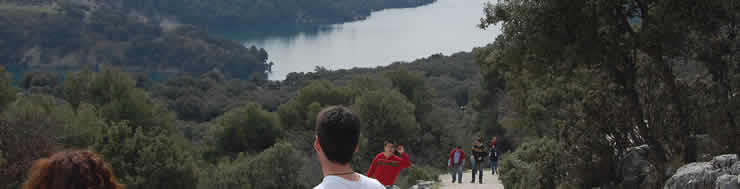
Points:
x=276, y=167
x=414, y=173
x=248, y=129
x=535, y=165
x=144, y=159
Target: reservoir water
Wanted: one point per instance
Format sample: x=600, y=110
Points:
x=387, y=36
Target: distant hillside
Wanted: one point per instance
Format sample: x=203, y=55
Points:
x=242, y=13
x=70, y=37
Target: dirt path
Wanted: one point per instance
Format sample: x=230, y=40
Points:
x=489, y=181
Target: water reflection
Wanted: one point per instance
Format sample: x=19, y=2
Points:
x=446, y=27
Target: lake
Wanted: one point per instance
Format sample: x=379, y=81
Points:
x=387, y=36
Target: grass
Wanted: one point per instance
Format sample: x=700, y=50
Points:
x=27, y=8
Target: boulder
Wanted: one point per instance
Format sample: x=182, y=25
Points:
x=693, y=176
x=726, y=182
x=735, y=169
x=705, y=174
x=724, y=162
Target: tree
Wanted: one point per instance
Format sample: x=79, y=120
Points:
x=145, y=158
x=81, y=129
x=537, y=164
x=294, y=113
x=385, y=115
x=268, y=169
x=115, y=95
x=412, y=86
x=7, y=92
x=28, y=132
x=609, y=71
x=247, y=129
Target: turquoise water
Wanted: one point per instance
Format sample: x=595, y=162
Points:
x=387, y=36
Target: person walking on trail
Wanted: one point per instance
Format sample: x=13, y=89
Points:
x=456, y=163
x=479, y=152
x=472, y=159
x=386, y=165
x=336, y=139
x=493, y=155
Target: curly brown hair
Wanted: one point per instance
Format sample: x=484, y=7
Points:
x=71, y=170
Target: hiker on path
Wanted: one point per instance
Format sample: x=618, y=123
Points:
x=386, y=165
x=493, y=155
x=456, y=163
x=337, y=136
x=479, y=152
x=472, y=158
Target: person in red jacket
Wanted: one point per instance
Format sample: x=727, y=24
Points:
x=386, y=165
x=456, y=163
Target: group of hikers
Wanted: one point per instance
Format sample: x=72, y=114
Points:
x=481, y=152
x=336, y=139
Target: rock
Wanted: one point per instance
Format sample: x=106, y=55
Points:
x=705, y=174
x=726, y=182
x=735, y=169
x=421, y=184
x=637, y=171
x=693, y=176
x=724, y=162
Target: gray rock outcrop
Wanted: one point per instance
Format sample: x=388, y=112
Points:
x=718, y=174
x=726, y=182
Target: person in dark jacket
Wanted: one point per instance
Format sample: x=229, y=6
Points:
x=493, y=156
x=479, y=153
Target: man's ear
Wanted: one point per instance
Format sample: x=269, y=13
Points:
x=357, y=149
x=316, y=145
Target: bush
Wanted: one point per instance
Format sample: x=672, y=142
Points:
x=385, y=115
x=248, y=129
x=536, y=164
x=115, y=95
x=276, y=167
x=144, y=159
x=7, y=92
x=414, y=173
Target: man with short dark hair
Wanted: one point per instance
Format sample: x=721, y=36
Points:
x=479, y=154
x=337, y=136
x=386, y=166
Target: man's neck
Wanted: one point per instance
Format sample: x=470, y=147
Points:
x=343, y=171
x=387, y=154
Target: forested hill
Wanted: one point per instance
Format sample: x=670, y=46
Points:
x=72, y=37
x=247, y=13
x=241, y=131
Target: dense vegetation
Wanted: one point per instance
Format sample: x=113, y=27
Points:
x=72, y=37
x=211, y=132
x=248, y=14
x=590, y=79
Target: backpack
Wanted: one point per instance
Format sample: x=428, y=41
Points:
x=493, y=155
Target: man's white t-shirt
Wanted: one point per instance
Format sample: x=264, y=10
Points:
x=335, y=182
